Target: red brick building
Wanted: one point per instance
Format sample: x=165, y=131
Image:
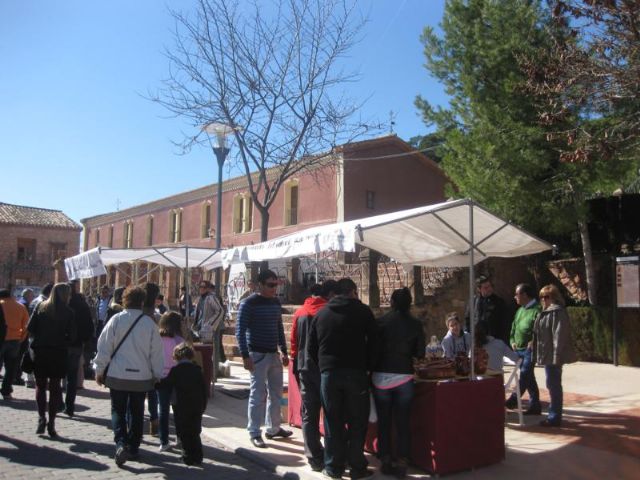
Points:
x=365, y=178
x=31, y=241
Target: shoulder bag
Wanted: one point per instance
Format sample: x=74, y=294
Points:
x=106, y=369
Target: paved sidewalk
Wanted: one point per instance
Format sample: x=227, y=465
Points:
x=85, y=449
x=600, y=437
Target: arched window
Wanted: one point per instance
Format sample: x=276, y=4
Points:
x=175, y=226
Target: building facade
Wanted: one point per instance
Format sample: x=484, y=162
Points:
x=33, y=241
x=362, y=179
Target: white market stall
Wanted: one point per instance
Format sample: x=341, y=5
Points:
x=458, y=233
x=93, y=263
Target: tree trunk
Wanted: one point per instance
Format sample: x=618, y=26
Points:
x=592, y=283
x=264, y=224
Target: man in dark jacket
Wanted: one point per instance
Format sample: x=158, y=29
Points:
x=490, y=310
x=84, y=329
x=342, y=342
x=307, y=372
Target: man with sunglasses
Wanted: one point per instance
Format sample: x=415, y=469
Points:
x=259, y=333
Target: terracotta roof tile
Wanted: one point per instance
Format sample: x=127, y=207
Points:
x=40, y=217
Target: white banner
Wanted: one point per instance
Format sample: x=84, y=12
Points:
x=86, y=265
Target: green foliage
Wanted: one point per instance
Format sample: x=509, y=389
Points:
x=592, y=330
x=494, y=147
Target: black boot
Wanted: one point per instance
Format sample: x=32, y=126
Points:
x=42, y=424
x=51, y=429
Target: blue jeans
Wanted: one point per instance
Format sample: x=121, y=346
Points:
x=73, y=364
x=396, y=403
x=265, y=378
x=9, y=355
x=554, y=385
x=528, y=381
x=345, y=399
x=310, y=409
x=127, y=404
x=164, y=401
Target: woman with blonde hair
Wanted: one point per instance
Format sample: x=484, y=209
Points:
x=52, y=329
x=554, y=348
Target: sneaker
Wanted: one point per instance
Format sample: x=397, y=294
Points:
x=164, y=447
x=7, y=396
x=122, y=455
x=280, y=433
x=258, y=442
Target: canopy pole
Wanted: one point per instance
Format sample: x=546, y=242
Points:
x=187, y=283
x=472, y=281
x=316, y=268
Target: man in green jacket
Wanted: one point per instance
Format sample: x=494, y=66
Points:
x=521, y=341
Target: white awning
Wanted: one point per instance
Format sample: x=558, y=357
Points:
x=92, y=263
x=434, y=235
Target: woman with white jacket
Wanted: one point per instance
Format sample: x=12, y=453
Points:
x=133, y=369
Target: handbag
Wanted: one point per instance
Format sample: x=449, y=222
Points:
x=27, y=365
x=106, y=369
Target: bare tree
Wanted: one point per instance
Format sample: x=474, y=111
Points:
x=271, y=72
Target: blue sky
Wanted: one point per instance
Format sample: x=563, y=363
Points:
x=77, y=134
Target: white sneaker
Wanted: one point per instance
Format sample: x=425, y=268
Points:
x=164, y=447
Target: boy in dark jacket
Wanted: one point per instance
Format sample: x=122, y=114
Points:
x=186, y=380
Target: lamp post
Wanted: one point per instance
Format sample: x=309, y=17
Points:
x=221, y=131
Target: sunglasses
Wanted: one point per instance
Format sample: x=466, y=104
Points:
x=545, y=297
x=271, y=284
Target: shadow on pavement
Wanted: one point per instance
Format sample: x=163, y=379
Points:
x=43, y=456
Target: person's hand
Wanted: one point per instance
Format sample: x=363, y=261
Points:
x=285, y=359
x=530, y=346
x=247, y=363
x=513, y=347
x=100, y=379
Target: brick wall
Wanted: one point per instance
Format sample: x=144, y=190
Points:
x=39, y=270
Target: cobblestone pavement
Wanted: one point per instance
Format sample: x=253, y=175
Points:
x=85, y=448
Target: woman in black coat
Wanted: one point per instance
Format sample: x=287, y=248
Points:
x=400, y=340
x=52, y=329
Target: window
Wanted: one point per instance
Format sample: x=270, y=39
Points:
x=149, y=230
x=127, y=237
x=57, y=251
x=26, y=249
x=206, y=220
x=97, y=236
x=371, y=199
x=291, y=203
x=175, y=226
x=111, y=236
x=242, y=214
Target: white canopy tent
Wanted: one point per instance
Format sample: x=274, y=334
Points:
x=434, y=235
x=92, y=263
x=457, y=233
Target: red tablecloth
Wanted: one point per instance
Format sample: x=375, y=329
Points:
x=204, y=358
x=455, y=426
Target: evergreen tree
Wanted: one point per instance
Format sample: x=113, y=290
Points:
x=496, y=150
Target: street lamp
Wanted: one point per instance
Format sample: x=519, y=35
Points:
x=220, y=131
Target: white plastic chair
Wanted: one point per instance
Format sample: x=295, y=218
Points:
x=513, y=385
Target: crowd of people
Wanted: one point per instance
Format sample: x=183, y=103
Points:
x=342, y=357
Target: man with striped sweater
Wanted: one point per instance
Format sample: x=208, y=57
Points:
x=259, y=332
